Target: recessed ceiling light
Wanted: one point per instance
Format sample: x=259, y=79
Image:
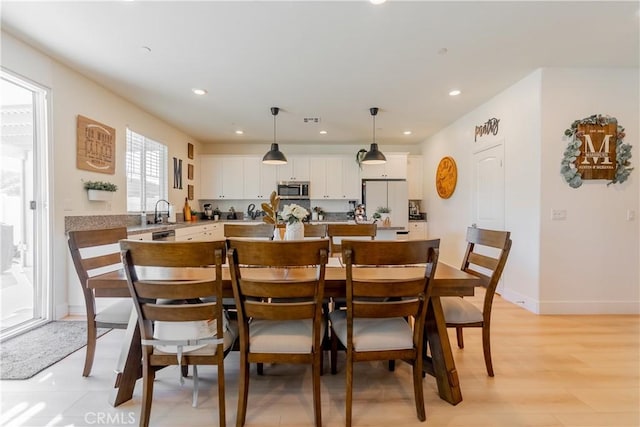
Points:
x=454, y=92
x=323, y=132
x=407, y=132
x=145, y=49
x=377, y=1
x=199, y=91
x=239, y=132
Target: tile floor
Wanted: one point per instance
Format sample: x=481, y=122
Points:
x=550, y=371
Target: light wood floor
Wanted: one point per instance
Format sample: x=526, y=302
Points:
x=550, y=371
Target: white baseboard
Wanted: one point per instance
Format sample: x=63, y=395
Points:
x=571, y=307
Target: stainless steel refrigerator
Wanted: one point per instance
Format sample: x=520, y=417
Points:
x=390, y=193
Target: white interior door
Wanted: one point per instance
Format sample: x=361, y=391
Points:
x=488, y=191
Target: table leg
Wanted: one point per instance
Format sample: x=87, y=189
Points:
x=129, y=367
x=441, y=363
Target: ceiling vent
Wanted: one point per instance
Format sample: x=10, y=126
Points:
x=311, y=120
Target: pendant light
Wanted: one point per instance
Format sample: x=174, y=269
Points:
x=274, y=156
x=374, y=156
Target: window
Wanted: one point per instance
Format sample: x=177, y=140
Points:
x=146, y=172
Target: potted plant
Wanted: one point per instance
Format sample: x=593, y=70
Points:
x=100, y=190
x=317, y=214
x=382, y=213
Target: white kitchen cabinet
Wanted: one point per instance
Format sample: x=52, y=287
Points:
x=208, y=232
x=259, y=179
x=221, y=177
x=394, y=168
x=334, y=178
x=296, y=169
x=418, y=230
x=142, y=236
x=414, y=177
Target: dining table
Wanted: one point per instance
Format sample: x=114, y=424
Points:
x=438, y=359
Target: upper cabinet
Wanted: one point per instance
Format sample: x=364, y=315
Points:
x=394, y=168
x=259, y=179
x=296, y=169
x=333, y=177
x=221, y=177
x=414, y=177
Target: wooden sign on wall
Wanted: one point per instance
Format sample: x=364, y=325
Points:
x=96, y=146
x=597, y=158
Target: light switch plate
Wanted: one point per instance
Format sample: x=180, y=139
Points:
x=558, y=214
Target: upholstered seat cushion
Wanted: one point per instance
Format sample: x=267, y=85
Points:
x=282, y=336
x=230, y=335
x=373, y=334
x=460, y=311
x=116, y=313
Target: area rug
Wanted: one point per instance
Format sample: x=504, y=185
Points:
x=25, y=355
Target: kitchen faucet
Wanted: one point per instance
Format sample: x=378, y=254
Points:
x=157, y=217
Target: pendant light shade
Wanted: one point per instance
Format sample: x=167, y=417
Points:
x=374, y=156
x=274, y=156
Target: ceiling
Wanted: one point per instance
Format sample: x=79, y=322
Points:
x=331, y=60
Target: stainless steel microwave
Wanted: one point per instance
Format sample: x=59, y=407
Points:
x=293, y=189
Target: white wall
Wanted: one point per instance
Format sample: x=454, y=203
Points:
x=72, y=95
x=588, y=262
x=559, y=266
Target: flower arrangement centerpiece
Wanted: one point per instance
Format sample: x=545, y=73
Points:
x=293, y=215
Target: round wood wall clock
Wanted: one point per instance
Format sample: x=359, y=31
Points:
x=446, y=177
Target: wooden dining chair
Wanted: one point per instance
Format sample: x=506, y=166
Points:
x=95, y=252
x=177, y=325
x=458, y=312
x=315, y=230
x=335, y=231
x=279, y=307
x=377, y=322
x=252, y=231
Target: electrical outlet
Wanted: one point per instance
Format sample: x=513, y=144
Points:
x=558, y=214
x=631, y=214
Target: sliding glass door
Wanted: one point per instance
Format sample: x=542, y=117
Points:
x=24, y=224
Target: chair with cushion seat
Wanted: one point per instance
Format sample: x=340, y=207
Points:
x=181, y=320
x=377, y=324
x=279, y=304
x=95, y=252
x=349, y=230
x=460, y=313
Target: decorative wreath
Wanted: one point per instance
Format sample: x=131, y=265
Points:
x=623, y=151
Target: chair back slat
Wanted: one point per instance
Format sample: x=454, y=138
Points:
x=179, y=313
x=483, y=260
x=279, y=289
x=101, y=261
x=349, y=230
x=182, y=289
x=280, y=311
x=392, y=252
x=262, y=230
x=389, y=288
x=368, y=309
x=277, y=253
x=484, y=237
x=315, y=230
